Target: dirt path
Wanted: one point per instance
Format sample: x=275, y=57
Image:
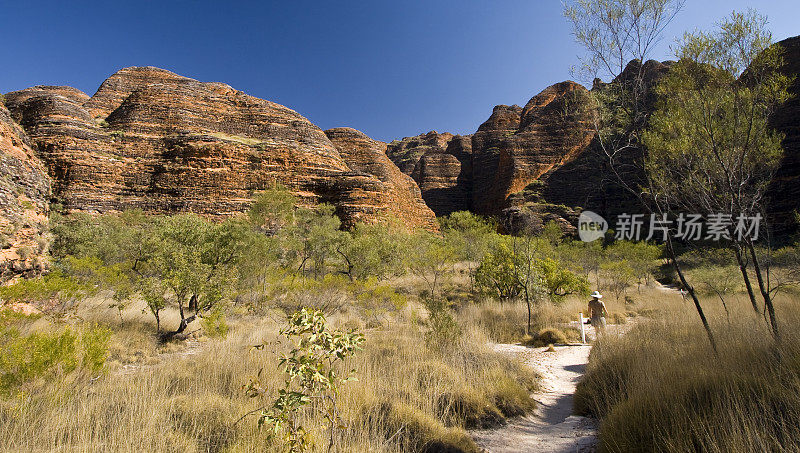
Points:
x=552, y=427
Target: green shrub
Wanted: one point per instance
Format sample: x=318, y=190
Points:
x=94, y=345
x=54, y=285
x=214, y=324
x=26, y=358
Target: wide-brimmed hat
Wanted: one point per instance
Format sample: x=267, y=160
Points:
x=597, y=295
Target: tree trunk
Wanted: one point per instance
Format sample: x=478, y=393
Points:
x=746, y=278
x=764, y=292
x=691, y=292
x=181, y=328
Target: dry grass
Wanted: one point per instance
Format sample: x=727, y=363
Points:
x=422, y=399
x=660, y=388
x=507, y=323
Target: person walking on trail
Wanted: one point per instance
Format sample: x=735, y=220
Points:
x=597, y=311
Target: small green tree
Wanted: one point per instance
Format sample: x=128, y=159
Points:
x=559, y=282
x=553, y=233
x=272, y=209
x=582, y=257
x=618, y=276
x=430, y=258
x=711, y=130
x=470, y=235
x=642, y=257
x=313, y=379
x=314, y=237
x=496, y=274
x=373, y=250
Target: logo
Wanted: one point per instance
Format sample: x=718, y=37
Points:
x=591, y=226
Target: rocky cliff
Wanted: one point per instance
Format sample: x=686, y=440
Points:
x=151, y=139
x=24, y=196
x=513, y=149
x=393, y=189
x=157, y=141
x=784, y=193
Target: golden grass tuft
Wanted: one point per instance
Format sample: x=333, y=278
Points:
x=409, y=396
x=660, y=388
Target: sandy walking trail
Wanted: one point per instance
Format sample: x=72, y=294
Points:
x=552, y=427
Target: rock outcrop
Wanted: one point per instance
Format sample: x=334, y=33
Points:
x=441, y=164
x=784, y=193
x=157, y=141
x=24, y=196
x=514, y=148
x=154, y=140
x=394, y=190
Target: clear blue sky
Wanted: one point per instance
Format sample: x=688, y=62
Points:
x=389, y=68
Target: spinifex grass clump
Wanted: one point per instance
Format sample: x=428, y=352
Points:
x=660, y=388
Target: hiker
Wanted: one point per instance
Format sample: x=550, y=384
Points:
x=597, y=311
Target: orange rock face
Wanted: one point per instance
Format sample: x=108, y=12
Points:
x=24, y=193
x=395, y=192
x=512, y=149
x=441, y=165
x=161, y=142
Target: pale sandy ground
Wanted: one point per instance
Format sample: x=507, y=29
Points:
x=552, y=428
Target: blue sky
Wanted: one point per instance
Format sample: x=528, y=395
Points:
x=389, y=68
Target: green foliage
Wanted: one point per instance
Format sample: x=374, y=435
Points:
x=94, y=345
x=505, y=272
x=375, y=300
x=183, y=259
x=711, y=127
x=430, y=257
x=496, y=275
x=25, y=358
x=470, y=236
x=717, y=281
x=272, y=209
x=552, y=233
x=313, y=377
x=53, y=286
x=642, y=257
x=373, y=250
x=214, y=323
x=558, y=281
x=619, y=276
x=313, y=238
